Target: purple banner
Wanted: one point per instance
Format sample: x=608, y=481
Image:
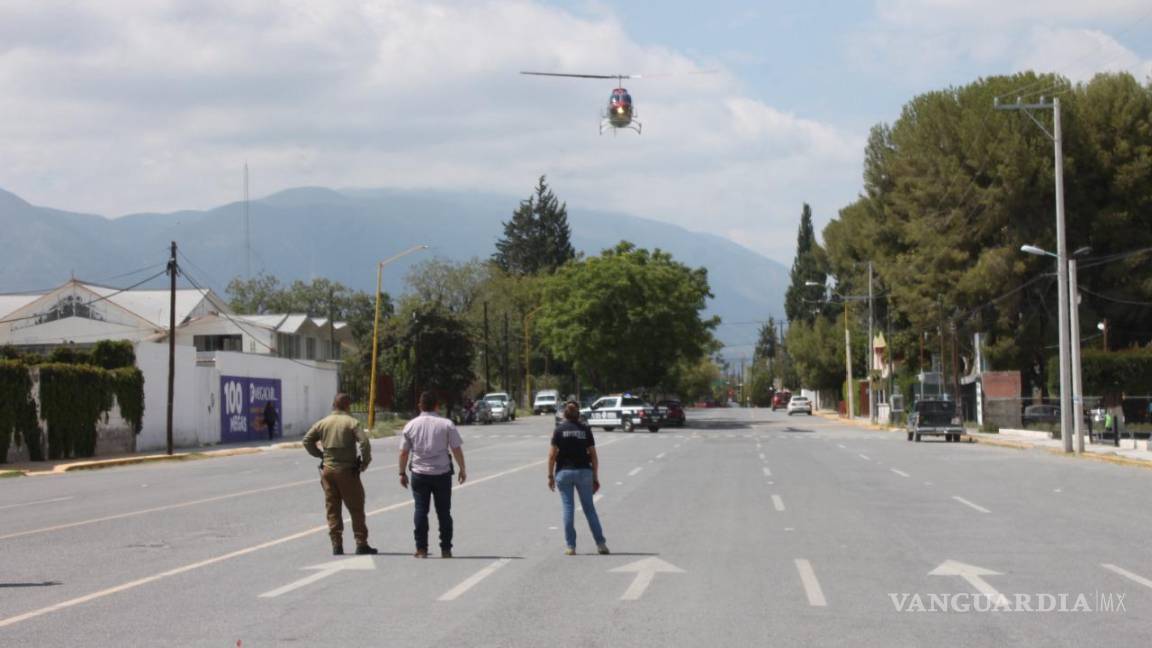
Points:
x=245, y=414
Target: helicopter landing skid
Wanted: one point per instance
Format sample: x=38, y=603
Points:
x=633, y=125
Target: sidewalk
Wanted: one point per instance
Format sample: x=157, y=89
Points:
x=1124, y=455
x=60, y=466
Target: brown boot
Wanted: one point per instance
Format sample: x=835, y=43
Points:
x=420, y=553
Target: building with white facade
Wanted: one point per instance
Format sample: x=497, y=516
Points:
x=228, y=366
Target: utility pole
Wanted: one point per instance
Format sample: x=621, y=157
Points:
x=487, y=374
x=172, y=270
x=507, y=380
x=1061, y=256
x=1077, y=386
x=956, y=373
x=871, y=351
x=848, y=363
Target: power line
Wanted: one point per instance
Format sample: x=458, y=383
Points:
x=1115, y=299
x=94, y=301
x=255, y=338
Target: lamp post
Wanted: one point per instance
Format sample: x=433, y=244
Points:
x=1071, y=401
x=376, y=329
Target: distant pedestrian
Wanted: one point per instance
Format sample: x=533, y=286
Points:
x=428, y=446
x=270, y=419
x=574, y=466
x=341, y=436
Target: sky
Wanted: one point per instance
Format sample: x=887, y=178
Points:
x=749, y=109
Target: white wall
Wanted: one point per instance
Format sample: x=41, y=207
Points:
x=307, y=393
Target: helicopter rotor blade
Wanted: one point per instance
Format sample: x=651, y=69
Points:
x=584, y=76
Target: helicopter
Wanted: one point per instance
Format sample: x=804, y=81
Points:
x=619, y=113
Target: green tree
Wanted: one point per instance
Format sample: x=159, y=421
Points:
x=627, y=318
x=425, y=347
x=806, y=266
x=537, y=239
x=766, y=344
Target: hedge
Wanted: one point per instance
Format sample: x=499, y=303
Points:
x=1109, y=372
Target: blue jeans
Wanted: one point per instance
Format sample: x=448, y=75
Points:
x=438, y=489
x=579, y=480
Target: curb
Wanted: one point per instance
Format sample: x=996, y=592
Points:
x=99, y=464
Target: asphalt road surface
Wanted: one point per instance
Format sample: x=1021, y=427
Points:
x=745, y=528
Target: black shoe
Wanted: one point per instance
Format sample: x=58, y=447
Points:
x=365, y=550
x=445, y=553
x=337, y=551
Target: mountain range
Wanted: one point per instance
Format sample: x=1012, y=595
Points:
x=318, y=232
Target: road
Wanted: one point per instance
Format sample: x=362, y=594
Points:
x=744, y=528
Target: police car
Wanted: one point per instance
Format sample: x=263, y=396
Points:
x=623, y=411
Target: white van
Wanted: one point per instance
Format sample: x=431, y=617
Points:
x=547, y=400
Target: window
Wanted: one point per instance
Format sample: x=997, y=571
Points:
x=218, y=342
x=310, y=348
x=632, y=402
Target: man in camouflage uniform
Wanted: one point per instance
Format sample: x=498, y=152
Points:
x=340, y=435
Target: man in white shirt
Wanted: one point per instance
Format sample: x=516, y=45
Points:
x=429, y=443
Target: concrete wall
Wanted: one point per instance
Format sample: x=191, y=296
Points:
x=307, y=391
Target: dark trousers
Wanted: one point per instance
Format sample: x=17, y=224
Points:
x=438, y=489
x=344, y=487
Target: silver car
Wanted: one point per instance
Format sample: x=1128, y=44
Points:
x=799, y=405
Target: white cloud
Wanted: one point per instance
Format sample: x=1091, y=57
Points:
x=924, y=40
x=136, y=105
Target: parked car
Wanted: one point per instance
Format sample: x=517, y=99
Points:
x=780, y=400
x=503, y=407
x=547, y=400
x=482, y=412
x=799, y=405
x=934, y=417
x=674, y=412
x=1041, y=414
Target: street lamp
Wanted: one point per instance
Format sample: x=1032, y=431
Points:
x=376, y=329
x=1071, y=403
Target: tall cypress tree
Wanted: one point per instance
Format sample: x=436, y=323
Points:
x=807, y=266
x=538, y=238
x=767, y=344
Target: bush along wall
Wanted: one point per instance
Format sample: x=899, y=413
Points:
x=19, y=424
x=77, y=388
x=1109, y=372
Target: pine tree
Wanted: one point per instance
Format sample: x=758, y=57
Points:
x=537, y=239
x=767, y=344
x=807, y=266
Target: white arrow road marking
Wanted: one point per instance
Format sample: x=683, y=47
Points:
x=777, y=503
x=811, y=586
x=635, y=471
x=645, y=570
x=324, y=570
x=970, y=504
x=900, y=472
x=973, y=575
x=471, y=581
x=46, y=501
x=1136, y=578
x=767, y=472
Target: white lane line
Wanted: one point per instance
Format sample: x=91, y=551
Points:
x=767, y=472
x=46, y=501
x=635, y=471
x=13, y=620
x=761, y=456
x=970, y=504
x=471, y=581
x=811, y=586
x=661, y=455
x=864, y=457
x=900, y=472
x=1136, y=578
x=777, y=503
x=841, y=445
x=676, y=446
